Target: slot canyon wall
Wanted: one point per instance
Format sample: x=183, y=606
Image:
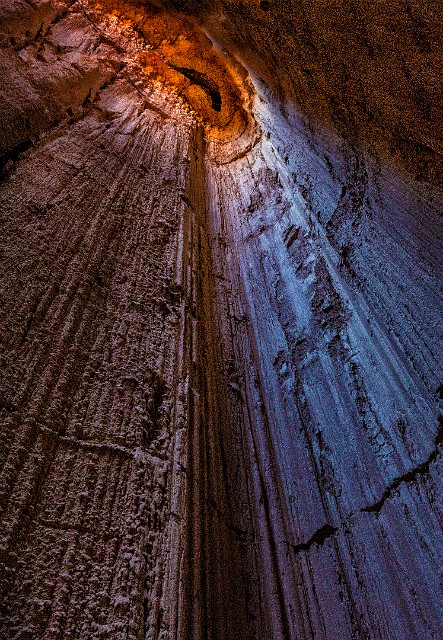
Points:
x=221, y=305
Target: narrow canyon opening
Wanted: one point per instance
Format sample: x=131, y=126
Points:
x=221, y=320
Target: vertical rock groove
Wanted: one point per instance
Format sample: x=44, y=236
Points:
x=220, y=321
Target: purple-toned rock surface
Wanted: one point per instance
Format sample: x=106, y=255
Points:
x=220, y=320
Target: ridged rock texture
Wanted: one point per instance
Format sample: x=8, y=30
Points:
x=221, y=320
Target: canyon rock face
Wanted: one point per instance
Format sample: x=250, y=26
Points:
x=221, y=305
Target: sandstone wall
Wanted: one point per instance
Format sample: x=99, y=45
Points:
x=221, y=321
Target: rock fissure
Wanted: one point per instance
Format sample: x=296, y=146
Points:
x=409, y=476
x=318, y=538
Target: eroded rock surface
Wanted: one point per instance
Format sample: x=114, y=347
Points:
x=221, y=370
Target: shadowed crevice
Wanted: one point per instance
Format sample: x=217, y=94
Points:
x=318, y=538
x=409, y=476
x=209, y=86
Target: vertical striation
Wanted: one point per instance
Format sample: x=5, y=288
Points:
x=220, y=323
